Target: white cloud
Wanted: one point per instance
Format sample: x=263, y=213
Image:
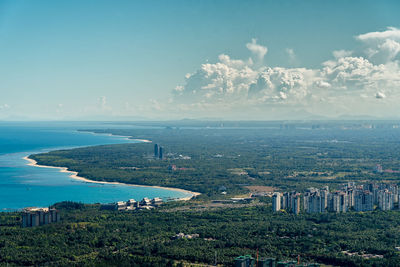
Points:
x=390, y=33
x=322, y=84
x=381, y=47
x=258, y=51
x=342, y=53
x=344, y=84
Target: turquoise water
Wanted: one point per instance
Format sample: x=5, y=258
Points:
x=22, y=185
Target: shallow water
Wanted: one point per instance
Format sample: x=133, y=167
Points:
x=22, y=185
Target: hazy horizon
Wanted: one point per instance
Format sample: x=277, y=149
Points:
x=218, y=60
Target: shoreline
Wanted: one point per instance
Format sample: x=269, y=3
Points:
x=74, y=175
x=126, y=137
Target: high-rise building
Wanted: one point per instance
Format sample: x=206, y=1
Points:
x=364, y=201
x=160, y=153
x=350, y=197
x=338, y=202
x=286, y=201
x=306, y=199
x=395, y=191
x=156, y=150
x=296, y=203
x=39, y=216
x=276, y=201
x=385, y=199
x=315, y=203
x=324, y=198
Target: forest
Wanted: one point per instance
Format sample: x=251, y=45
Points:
x=206, y=159
x=87, y=236
x=288, y=158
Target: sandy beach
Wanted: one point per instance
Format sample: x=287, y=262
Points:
x=126, y=137
x=74, y=175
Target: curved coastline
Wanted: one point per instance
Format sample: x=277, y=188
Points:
x=74, y=175
x=126, y=137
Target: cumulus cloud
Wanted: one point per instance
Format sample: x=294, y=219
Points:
x=343, y=84
x=257, y=50
x=390, y=33
x=381, y=47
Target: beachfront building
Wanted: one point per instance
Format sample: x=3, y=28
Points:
x=156, y=201
x=132, y=204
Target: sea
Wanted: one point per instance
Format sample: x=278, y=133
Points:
x=23, y=186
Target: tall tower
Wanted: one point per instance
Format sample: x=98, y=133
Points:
x=156, y=151
x=296, y=204
x=160, y=153
x=276, y=201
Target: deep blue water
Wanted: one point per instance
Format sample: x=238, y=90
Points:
x=22, y=185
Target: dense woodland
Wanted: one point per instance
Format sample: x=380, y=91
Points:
x=87, y=236
x=288, y=158
x=233, y=157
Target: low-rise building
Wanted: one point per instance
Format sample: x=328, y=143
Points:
x=132, y=204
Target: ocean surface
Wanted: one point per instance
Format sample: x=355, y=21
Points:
x=22, y=185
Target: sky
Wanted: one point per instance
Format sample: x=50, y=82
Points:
x=247, y=60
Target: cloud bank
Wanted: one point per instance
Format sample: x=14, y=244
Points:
x=365, y=84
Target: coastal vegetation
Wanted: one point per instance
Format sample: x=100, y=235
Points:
x=207, y=160
x=219, y=163
x=87, y=236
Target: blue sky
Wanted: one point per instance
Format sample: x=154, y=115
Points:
x=113, y=59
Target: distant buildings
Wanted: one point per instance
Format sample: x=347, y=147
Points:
x=158, y=151
x=187, y=236
x=350, y=197
x=296, y=203
x=132, y=204
x=364, y=201
x=39, y=216
x=378, y=168
x=385, y=200
x=249, y=261
x=276, y=201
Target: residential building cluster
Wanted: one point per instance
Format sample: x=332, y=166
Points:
x=362, y=197
x=185, y=236
x=249, y=261
x=39, y=216
x=132, y=204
